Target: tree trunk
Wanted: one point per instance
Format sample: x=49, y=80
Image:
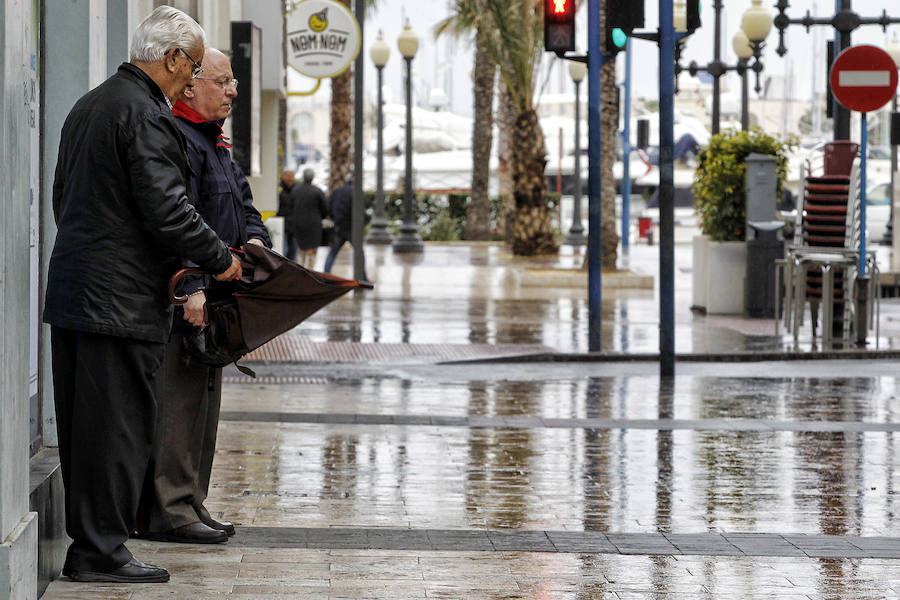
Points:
x=610, y=124
x=506, y=118
x=341, y=133
x=531, y=229
x=478, y=216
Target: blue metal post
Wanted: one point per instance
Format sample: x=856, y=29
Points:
x=666, y=190
x=595, y=247
x=626, y=153
x=863, y=151
x=835, y=105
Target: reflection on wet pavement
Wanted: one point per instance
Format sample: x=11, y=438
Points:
x=393, y=487
x=397, y=480
x=474, y=294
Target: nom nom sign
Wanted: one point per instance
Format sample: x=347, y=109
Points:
x=323, y=38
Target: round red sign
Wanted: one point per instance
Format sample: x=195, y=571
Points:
x=863, y=78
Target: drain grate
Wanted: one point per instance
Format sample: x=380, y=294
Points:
x=276, y=380
x=296, y=348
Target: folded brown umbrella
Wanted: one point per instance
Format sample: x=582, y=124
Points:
x=273, y=295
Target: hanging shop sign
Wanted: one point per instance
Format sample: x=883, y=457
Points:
x=323, y=38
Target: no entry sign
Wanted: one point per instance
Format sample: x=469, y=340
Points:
x=863, y=78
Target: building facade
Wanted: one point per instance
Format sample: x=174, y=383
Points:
x=53, y=52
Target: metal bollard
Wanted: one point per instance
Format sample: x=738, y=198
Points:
x=862, y=308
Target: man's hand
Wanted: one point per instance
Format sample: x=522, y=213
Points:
x=233, y=272
x=193, y=309
x=256, y=241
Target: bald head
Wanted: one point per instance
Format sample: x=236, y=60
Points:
x=212, y=93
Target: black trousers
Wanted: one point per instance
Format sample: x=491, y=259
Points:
x=105, y=394
x=178, y=477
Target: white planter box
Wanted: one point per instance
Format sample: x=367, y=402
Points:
x=699, y=269
x=725, y=274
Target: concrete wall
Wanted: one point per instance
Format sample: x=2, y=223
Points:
x=18, y=531
x=265, y=187
x=267, y=15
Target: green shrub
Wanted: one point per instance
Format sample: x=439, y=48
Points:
x=719, y=193
x=443, y=228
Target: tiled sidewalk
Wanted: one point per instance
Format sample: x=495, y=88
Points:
x=514, y=483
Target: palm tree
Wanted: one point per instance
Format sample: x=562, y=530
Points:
x=465, y=20
x=516, y=47
x=609, y=126
x=341, y=132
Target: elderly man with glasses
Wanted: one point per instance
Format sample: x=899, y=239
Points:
x=177, y=482
x=120, y=199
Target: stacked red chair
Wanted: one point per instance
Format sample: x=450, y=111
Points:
x=824, y=222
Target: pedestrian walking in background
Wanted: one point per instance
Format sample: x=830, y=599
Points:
x=178, y=478
x=342, y=215
x=123, y=218
x=308, y=210
x=285, y=209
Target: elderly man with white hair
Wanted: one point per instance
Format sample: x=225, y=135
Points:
x=124, y=222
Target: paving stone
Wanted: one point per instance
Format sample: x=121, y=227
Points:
x=382, y=486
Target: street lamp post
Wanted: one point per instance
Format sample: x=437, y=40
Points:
x=409, y=239
x=576, y=237
x=717, y=68
x=378, y=233
x=744, y=51
x=894, y=50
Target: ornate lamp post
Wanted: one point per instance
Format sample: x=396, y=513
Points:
x=378, y=233
x=756, y=35
x=409, y=239
x=748, y=42
x=744, y=52
x=576, y=234
x=894, y=50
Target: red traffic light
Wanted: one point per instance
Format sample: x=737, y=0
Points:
x=559, y=10
x=559, y=26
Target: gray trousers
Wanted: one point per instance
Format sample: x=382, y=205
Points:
x=177, y=481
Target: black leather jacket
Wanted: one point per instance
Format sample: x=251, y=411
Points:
x=122, y=211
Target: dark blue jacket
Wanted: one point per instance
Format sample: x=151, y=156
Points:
x=341, y=209
x=218, y=188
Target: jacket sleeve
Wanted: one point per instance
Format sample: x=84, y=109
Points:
x=252, y=218
x=156, y=164
x=285, y=206
x=323, y=205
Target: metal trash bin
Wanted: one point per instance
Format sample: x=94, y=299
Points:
x=764, y=242
x=763, y=249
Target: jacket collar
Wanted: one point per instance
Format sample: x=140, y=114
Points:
x=154, y=89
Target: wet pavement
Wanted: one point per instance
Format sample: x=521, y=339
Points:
x=466, y=294
x=378, y=470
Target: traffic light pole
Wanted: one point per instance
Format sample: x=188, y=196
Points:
x=666, y=190
x=626, y=154
x=596, y=59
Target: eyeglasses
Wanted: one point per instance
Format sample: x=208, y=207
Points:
x=222, y=83
x=196, y=69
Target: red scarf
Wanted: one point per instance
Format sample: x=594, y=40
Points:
x=186, y=112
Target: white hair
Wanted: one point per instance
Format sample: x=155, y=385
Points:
x=164, y=29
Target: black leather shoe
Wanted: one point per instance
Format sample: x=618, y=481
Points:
x=225, y=526
x=134, y=571
x=194, y=533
